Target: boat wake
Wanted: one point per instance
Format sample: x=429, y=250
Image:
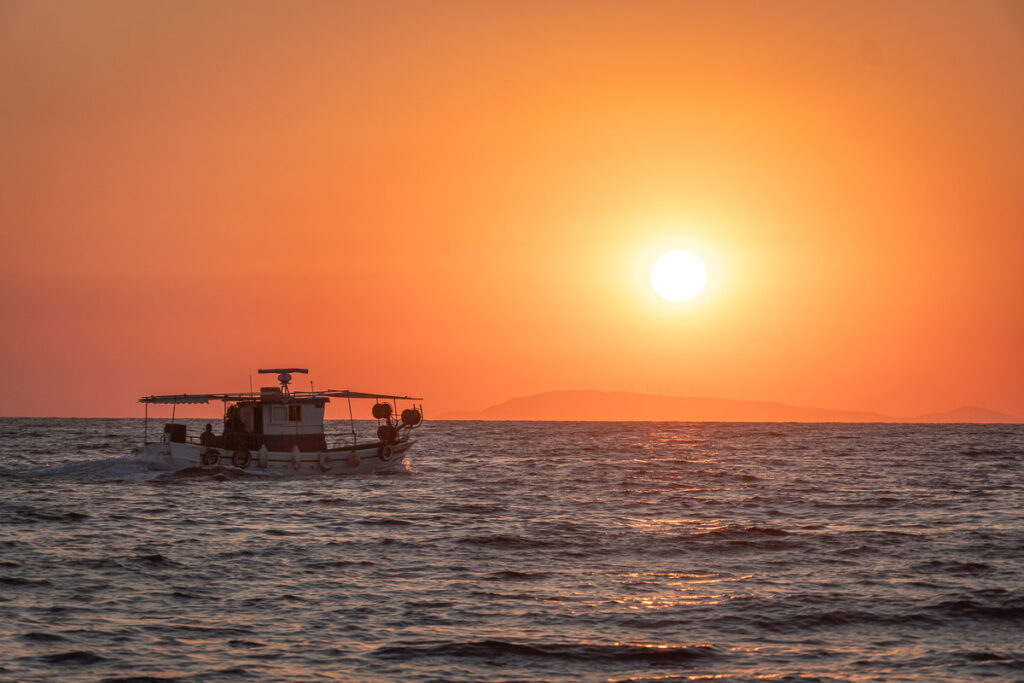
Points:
x=111, y=468
x=131, y=468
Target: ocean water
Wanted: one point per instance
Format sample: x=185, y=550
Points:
x=523, y=551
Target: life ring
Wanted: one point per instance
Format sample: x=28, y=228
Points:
x=353, y=460
x=325, y=462
x=296, y=463
x=384, y=452
x=211, y=457
x=261, y=457
x=241, y=459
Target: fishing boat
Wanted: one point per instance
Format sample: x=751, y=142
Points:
x=280, y=431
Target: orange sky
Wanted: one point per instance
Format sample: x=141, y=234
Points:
x=463, y=200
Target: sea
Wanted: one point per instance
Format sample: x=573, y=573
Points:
x=522, y=551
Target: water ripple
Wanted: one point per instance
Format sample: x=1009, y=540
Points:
x=523, y=551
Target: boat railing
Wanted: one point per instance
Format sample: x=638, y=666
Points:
x=230, y=441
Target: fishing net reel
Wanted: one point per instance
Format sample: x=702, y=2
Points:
x=390, y=430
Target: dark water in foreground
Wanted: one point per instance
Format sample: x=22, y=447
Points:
x=524, y=551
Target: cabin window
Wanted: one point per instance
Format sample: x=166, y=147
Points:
x=295, y=413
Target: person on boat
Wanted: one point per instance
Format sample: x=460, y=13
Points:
x=208, y=438
x=235, y=433
x=232, y=423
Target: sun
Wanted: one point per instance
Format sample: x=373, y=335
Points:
x=678, y=275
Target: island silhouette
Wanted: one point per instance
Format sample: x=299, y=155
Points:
x=627, y=406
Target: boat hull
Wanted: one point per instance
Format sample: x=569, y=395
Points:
x=362, y=459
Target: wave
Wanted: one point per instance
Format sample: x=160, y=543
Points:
x=39, y=637
x=950, y=612
x=154, y=559
x=1009, y=608
x=971, y=452
x=77, y=657
x=510, y=575
x=742, y=532
x=505, y=541
x=472, y=508
x=18, y=581
x=28, y=514
x=385, y=521
x=953, y=567
x=577, y=652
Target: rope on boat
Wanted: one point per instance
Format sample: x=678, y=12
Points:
x=351, y=422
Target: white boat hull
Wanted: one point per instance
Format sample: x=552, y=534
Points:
x=364, y=459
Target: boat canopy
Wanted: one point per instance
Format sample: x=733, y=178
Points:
x=185, y=399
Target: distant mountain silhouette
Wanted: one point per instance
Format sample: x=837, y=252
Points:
x=629, y=406
x=972, y=414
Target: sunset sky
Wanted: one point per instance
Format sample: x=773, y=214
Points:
x=463, y=200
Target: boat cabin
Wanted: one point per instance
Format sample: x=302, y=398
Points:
x=276, y=420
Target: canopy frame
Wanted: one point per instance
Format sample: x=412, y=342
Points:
x=200, y=399
x=193, y=399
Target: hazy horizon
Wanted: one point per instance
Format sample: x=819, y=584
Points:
x=536, y=410
x=613, y=405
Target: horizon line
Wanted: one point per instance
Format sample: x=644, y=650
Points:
x=893, y=421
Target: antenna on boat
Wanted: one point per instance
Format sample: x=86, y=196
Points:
x=284, y=375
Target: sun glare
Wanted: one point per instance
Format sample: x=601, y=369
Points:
x=678, y=275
